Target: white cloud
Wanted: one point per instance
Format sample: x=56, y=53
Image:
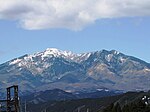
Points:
x=70, y=14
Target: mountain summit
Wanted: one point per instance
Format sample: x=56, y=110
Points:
x=65, y=70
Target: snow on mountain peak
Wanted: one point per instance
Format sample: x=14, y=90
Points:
x=51, y=51
x=48, y=53
x=15, y=61
x=57, y=53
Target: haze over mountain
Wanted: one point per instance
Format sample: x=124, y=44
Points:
x=72, y=72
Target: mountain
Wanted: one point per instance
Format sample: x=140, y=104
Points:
x=72, y=72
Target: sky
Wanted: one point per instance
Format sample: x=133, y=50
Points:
x=30, y=26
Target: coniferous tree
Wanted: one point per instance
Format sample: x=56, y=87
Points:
x=109, y=108
x=126, y=108
x=116, y=108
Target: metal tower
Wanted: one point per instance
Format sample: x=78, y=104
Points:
x=12, y=101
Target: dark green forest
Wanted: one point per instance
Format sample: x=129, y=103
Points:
x=127, y=102
x=132, y=107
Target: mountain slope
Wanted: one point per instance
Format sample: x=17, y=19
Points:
x=72, y=72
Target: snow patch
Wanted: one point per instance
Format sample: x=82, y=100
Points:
x=147, y=70
x=106, y=90
x=116, y=52
x=82, y=57
x=122, y=59
x=15, y=61
x=99, y=89
x=109, y=57
x=68, y=91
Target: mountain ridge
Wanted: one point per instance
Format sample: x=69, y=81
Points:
x=68, y=71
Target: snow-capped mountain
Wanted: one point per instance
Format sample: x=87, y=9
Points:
x=42, y=57
x=65, y=70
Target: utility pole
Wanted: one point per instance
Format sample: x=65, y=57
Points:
x=20, y=105
x=87, y=109
x=79, y=108
x=0, y=107
x=25, y=106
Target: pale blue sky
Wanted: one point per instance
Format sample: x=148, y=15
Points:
x=26, y=29
x=127, y=35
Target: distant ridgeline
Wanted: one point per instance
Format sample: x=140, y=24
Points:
x=53, y=68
